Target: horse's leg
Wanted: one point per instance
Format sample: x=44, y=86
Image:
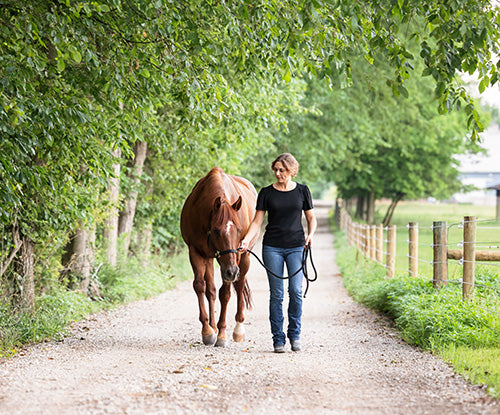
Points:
x=210, y=293
x=224, y=296
x=239, y=329
x=199, y=266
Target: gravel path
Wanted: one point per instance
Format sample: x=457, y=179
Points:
x=146, y=358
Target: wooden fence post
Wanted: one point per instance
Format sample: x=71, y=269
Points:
x=373, y=245
x=440, y=248
x=390, y=259
x=470, y=223
x=413, y=248
x=366, y=235
x=380, y=243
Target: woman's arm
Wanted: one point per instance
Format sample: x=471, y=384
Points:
x=312, y=224
x=253, y=230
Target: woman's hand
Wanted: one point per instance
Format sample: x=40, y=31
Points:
x=243, y=245
x=309, y=240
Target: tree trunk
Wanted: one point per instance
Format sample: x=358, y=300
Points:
x=77, y=260
x=370, y=217
x=110, y=232
x=392, y=208
x=143, y=243
x=360, y=205
x=24, y=267
x=126, y=219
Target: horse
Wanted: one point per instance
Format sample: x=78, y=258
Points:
x=215, y=217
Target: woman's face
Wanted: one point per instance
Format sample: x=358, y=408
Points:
x=281, y=173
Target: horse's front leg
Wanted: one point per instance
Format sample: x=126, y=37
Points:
x=240, y=287
x=199, y=266
x=211, y=293
x=224, y=296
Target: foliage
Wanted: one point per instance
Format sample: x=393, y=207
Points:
x=485, y=367
x=55, y=310
x=203, y=83
x=432, y=319
x=52, y=314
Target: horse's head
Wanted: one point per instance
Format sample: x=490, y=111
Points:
x=224, y=237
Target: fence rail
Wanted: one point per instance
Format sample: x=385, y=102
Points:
x=371, y=239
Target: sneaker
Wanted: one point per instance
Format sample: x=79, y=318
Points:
x=295, y=345
x=279, y=348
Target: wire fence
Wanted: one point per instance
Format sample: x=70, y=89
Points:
x=455, y=246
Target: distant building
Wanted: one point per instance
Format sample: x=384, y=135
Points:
x=481, y=171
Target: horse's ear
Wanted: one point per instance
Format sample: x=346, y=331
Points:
x=237, y=205
x=217, y=203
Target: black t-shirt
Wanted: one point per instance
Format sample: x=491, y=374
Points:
x=284, y=219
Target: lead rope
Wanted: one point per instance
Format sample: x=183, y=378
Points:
x=305, y=254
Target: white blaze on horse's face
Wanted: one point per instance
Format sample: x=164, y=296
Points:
x=228, y=227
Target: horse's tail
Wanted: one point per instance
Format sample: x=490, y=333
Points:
x=247, y=295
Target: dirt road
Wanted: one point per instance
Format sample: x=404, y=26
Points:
x=146, y=358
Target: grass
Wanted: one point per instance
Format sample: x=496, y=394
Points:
x=425, y=214
x=466, y=334
x=54, y=311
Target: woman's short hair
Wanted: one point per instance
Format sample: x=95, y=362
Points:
x=289, y=163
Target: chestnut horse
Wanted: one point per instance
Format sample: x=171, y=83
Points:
x=214, y=219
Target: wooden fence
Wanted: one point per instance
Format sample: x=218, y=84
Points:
x=379, y=243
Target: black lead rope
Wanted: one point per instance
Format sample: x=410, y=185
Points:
x=305, y=254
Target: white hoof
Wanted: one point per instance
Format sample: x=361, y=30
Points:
x=239, y=333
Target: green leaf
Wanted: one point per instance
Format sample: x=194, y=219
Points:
x=77, y=56
x=60, y=64
x=288, y=76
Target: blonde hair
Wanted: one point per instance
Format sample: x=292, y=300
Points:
x=289, y=163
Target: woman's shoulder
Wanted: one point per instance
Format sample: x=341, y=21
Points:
x=302, y=187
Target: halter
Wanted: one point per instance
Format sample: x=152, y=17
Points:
x=218, y=253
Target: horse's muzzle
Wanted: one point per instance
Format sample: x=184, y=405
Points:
x=231, y=274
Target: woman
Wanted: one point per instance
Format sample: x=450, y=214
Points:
x=284, y=242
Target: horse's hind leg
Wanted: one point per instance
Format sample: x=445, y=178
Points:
x=224, y=296
x=199, y=266
x=239, y=329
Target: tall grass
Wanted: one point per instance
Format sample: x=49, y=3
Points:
x=54, y=311
x=436, y=320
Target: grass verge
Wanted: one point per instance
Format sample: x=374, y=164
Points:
x=54, y=311
x=466, y=334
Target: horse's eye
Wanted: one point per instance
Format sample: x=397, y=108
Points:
x=217, y=232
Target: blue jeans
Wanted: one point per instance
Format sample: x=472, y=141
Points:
x=275, y=258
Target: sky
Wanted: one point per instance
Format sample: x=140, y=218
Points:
x=490, y=138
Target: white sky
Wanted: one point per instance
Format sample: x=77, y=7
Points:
x=490, y=138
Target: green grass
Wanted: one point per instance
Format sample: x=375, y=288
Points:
x=425, y=214
x=480, y=366
x=466, y=334
x=54, y=311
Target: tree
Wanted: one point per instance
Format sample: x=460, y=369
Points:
x=80, y=79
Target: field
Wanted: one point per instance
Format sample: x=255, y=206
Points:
x=488, y=233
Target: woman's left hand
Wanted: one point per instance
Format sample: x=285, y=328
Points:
x=309, y=240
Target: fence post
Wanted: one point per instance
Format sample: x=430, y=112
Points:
x=440, y=248
x=380, y=243
x=368, y=241
x=413, y=248
x=358, y=235
x=390, y=259
x=470, y=223
x=373, y=245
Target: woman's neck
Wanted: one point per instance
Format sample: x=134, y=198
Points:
x=288, y=185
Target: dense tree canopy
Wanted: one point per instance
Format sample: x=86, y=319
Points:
x=199, y=82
